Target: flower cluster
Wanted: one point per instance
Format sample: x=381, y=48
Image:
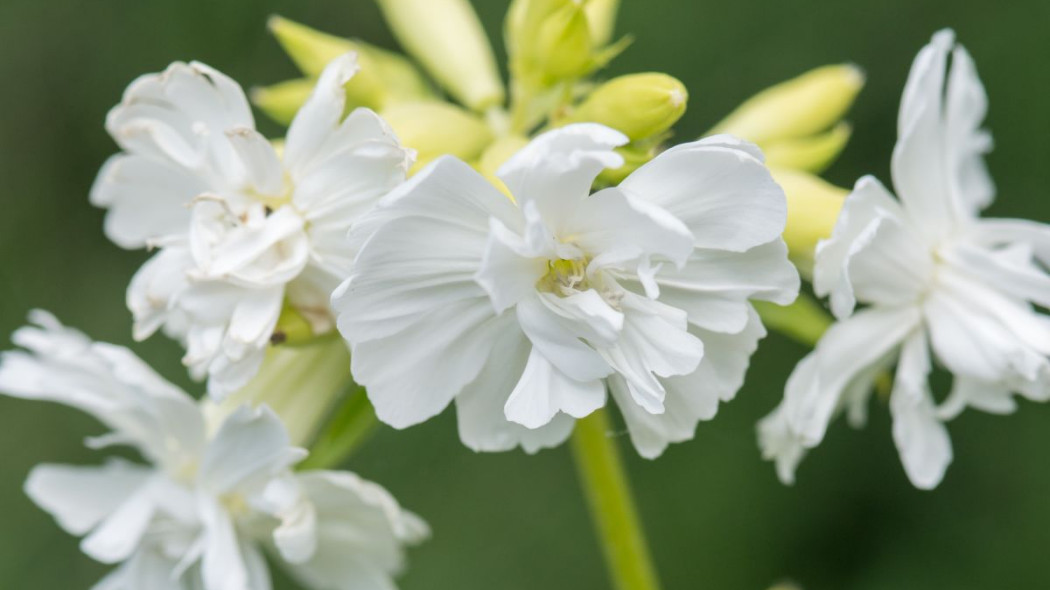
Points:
x=532, y=262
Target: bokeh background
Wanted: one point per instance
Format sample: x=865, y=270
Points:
x=717, y=518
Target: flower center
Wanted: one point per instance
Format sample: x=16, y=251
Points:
x=565, y=277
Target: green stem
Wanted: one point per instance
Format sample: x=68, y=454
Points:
x=352, y=424
x=803, y=321
x=609, y=498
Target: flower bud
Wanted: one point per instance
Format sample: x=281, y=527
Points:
x=282, y=100
x=446, y=37
x=548, y=40
x=300, y=383
x=813, y=154
x=383, y=76
x=796, y=108
x=435, y=127
x=601, y=16
x=813, y=207
x=639, y=105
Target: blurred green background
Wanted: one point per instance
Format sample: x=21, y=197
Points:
x=716, y=515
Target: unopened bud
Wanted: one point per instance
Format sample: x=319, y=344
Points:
x=446, y=37
x=434, y=128
x=383, y=77
x=601, y=16
x=796, y=108
x=813, y=154
x=282, y=100
x=813, y=207
x=639, y=105
x=548, y=40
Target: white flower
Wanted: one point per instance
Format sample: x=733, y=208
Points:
x=215, y=493
x=241, y=229
x=933, y=276
x=525, y=310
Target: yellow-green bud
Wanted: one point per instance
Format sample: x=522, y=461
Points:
x=796, y=108
x=383, y=76
x=813, y=207
x=548, y=40
x=601, y=16
x=310, y=49
x=299, y=383
x=813, y=154
x=446, y=37
x=282, y=100
x=639, y=105
x=634, y=156
x=435, y=127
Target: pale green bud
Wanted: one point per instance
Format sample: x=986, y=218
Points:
x=548, y=40
x=639, y=105
x=813, y=154
x=282, y=100
x=446, y=37
x=433, y=128
x=813, y=207
x=383, y=77
x=300, y=383
x=796, y=108
x=601, y=16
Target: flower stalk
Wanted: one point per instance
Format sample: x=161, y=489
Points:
x=611, y=504
x=351, y=425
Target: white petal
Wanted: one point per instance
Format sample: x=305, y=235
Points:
x=692, y=397
x=434, y=230
x=543, y=391
x=146, y=198
x=921, y=438
x=263, y=167
x=980, y=333
x=815, y=390
x=939, y=145
x=181, y=115
x=223, y=565
x=81, y=497
x=510, y=268
x=612, y=223
x=873, y=253
x=714, y=285
x=318, y=118
x=249, y=449
x=724, y=195
x=120, y=532
x=360, y=545
x=556, y=169
x=483, y=425
x=965, y=109
x=654, y=343
x=445, y=351
x=559, y=326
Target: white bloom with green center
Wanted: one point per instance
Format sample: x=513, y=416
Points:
x=527, y=310
x=241, y=227
x=216, y=492
x=932, y=276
